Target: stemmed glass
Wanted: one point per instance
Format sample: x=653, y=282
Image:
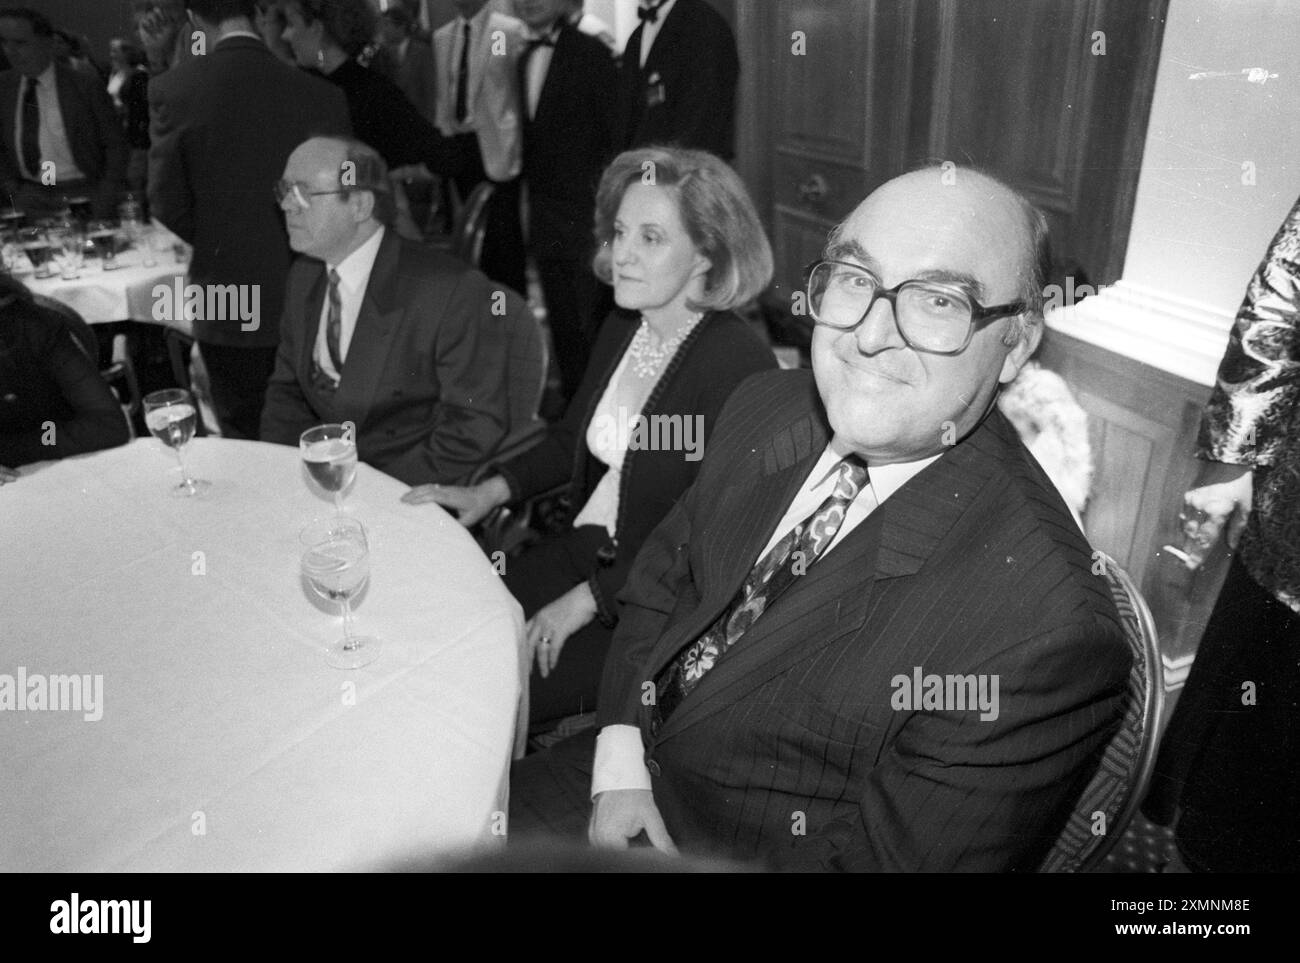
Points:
x=103, y=235
x=330, y=454
x=336, y=562
x=172, y=417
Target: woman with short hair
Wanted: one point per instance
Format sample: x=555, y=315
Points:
x=682, y=245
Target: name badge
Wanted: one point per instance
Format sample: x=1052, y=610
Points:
x=654, y=91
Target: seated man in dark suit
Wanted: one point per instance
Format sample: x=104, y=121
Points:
x=869, y=636
x=59, y=136
x=409, y=344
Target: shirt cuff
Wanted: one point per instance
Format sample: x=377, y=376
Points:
x=620, y=761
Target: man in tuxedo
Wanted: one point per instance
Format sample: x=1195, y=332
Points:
x=221, y=127
x=677, y=80
x=566, y=79
x=59, y=136
x=478, y=107
x=410, y=345
x=854, y=534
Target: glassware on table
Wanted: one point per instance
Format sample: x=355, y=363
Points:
x=69, y=245
x=336, y=563
x=35, y=243
x=172, y=417
x=330, y=454
x=11, y=219
x=103, y=235
x=79, y=208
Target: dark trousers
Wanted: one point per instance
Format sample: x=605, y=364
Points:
x=237, y=377
x=1232, y=768
x=537, y=577
x=503, y=255
x=550, y=791
x=569, y=289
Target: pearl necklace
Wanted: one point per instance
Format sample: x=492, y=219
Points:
x=647, y=359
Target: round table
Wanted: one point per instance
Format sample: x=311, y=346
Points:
x=124, y=294
x=221, y=739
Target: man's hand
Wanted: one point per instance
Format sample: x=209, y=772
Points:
x=470, y=504
x=157, y=29
x=622, y=814
x=7, y=475
x=552, y=625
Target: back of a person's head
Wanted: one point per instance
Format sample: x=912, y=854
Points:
x=40, y=23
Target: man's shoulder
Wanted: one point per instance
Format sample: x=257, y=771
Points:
x=505, y=22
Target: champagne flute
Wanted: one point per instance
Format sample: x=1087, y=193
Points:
x=336, y=563
x=172, y=418
x=330, y=454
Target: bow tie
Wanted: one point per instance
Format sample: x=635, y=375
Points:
x=650, y=14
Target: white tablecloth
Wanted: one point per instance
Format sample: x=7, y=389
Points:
x=226, y=742
x=125, y=294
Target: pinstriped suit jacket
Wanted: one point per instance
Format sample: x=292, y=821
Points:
x=790, y=749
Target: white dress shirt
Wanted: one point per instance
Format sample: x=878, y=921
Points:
x=651, y=30
x=539, y=62
x=354, y=274
x=53, y=137
x=477, y=24
x=620, y=756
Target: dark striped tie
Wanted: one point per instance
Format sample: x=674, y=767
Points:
x=771, y=575
x=334, y=323
x=31, y=131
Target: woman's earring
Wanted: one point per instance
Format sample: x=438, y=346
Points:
x=320, y=56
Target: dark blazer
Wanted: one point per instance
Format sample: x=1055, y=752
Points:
x=94, y=133
x=46, y=376
x=222, y=127
x=425, y=379
x=972, y=567
x=384, y=118
x=416, y=76
x=715, y=357
x=686, y=92
x=567, y=143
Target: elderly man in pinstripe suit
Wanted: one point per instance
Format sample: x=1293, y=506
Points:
x=869, y=637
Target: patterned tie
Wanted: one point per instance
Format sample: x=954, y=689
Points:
x=334, y=323
x=31, y=131
x=462, y=79
x=771, y=575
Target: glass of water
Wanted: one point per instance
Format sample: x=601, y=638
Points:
x=172, y=418
x=336, y=563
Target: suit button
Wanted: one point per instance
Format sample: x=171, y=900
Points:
x=653, y=767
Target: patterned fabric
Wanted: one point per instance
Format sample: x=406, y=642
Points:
x=1120, y=781
x=1253, y=415
x=776, y=571
x=334, y=324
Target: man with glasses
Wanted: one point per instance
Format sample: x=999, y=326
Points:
x=221, y=126
x=409, y=344
x=869, y=637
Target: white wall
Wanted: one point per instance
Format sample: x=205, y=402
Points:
x=1198, y=229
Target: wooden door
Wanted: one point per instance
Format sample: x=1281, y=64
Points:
x=838, y=96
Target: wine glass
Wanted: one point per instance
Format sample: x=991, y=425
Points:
x=330, y=454
x=38, y=247
x=69, y=245
x=103, y=235
x=172, y=417
x=336, y=562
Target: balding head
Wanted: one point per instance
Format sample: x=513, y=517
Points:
x=887, y=399
x=345, y=186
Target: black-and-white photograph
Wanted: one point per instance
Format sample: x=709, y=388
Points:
x=650, y=436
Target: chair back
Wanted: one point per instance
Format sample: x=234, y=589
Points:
x=471, y=225
x=1116, y=789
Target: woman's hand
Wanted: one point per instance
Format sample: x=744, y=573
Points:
x=1208, y=507
x=7, y=475
x=551, y=625
x=469, y=504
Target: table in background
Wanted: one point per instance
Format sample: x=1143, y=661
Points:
x=220, y=714
x=125, y=294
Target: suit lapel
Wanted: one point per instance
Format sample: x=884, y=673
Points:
x=311, y=323
x=833, y=599
x=666, y=39
x=372, y=337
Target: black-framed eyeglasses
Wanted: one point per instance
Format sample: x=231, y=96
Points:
x=930, y=316
x=298, y=191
